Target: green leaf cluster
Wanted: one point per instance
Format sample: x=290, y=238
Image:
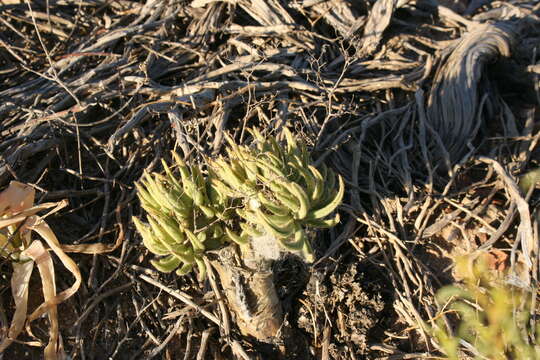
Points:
x=493, y=318
x=265, y=189
x=186, y=216
x=282, y=191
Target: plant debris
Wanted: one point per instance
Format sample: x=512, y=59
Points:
x=428, y=109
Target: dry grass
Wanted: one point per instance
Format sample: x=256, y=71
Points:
x=429, y=114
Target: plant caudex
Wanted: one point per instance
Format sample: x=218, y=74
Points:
x=274, y=190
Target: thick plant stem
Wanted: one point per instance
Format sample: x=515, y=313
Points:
x=250, y=290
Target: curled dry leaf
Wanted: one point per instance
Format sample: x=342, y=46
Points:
x=19, y=291
x=37, y=252
x=16, y=198
x=47, y=234
x=18, y=221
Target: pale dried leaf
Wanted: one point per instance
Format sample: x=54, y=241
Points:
x=19, y=291
x=93, y=249
x=16, y=197
x=23, y=214
x=36, y=224
x=43, y=259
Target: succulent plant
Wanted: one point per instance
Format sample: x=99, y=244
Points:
x=263, y=197
x=274, y=190
x=186, y=216
x=283, y=192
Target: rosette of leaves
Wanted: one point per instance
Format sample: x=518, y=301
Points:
x=284, y=194
x=186, y=216
x=261, y=197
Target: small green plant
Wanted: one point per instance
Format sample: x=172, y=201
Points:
x=263, y=197
x=264, y=189
x=282, y=191
x=186, y=216
x=493, y=318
